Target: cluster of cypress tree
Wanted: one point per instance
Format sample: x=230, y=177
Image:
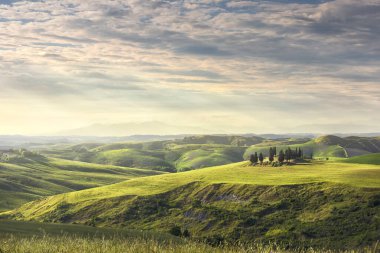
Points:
x=254, y=158
x=282, y=156
x=290, y=154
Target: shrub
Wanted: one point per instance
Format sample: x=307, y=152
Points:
x=176, y=231
x=186, y=233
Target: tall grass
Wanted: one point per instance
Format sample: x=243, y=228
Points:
x=76, y=244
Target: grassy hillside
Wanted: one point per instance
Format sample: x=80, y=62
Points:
x=324, y=146
x=134, y=158
x=365, y=159
x=118, y=244
x=207, y=156
x=196, y=152
x=21, y=228
x=80, y=239
x=167, y=156
x=233, y=202
x=320, y=147
x=25, y=178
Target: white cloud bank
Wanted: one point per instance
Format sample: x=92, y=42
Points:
x=227, y=66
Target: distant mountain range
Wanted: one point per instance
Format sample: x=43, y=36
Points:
x=12, y=141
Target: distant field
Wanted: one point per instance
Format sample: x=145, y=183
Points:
x=158, y=156
x=311, y=147
x=197, y=152
x=209, y=156
x=365, y=159
x=153, y=160
x=23, y=179
x=323, y=147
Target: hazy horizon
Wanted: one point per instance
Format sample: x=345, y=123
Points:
x=214, y=66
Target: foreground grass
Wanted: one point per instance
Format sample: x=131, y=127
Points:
x=69, y=244
x=33, y=237
x=38, y=229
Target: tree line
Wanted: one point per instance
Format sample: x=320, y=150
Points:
x=286, y=155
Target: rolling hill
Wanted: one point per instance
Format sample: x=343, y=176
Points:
x=28, y=176
x=189, y=153
x=302, y=203
x=324, y=146
x=195, y=152
x=365, y=159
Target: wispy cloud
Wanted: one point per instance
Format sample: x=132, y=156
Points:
x=117, y=51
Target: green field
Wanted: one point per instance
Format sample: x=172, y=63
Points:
x=35, y=229
x=159, y=156
x=24, y=179
x=207, y=156
x=238, y=173
x=323, y=147
x=134, y=158
x=205, y=151
x=321, y=202
x=365, y=159
x=31, y=237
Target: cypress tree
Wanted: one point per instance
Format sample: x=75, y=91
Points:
x=281, y=156
x=261, y=157
x=288, y=154
x=271, y=154
x=252, y=158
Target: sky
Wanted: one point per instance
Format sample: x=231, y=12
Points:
x=211, y=66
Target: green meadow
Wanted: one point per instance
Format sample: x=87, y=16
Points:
x=30, y=237
x=357, y=175
x=365, y=159
x=234, y=206
x=206, y=151
x=25, y=179
x=315, y=204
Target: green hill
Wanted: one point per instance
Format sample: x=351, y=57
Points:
x=27, y=177
x=167, y=156
x=324, y=146
x=320, y=204
x=153, y=160
x=317, y=149
x=221, y=139
x=202, y=151
x=207, y=156
x=365, y=159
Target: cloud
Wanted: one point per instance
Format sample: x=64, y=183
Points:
x=201, y=50
x=358, y=18
x=131, y=52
